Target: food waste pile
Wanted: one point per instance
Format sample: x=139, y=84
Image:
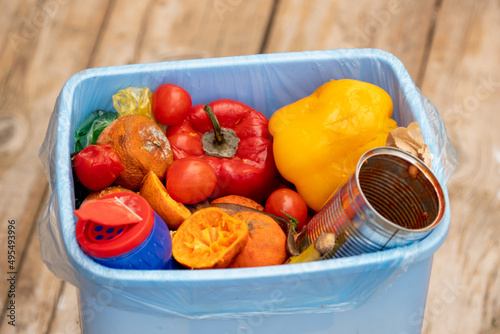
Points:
x=161, y=183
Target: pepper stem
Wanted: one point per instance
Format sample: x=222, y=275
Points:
x=222, y=143
x=219, y=138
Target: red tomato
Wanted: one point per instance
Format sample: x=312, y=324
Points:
x=170, y=104
x=97, y=166
x=190, y=180
x=287, y=201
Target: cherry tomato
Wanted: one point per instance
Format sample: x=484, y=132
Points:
x=284, y=200
x=97, y=166
x=170, y=104
x=190, y=180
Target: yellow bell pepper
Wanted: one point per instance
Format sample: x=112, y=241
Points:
x=319, y=139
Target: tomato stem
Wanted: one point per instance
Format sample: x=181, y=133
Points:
x=294, y=221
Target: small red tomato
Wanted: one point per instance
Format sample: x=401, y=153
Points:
x=284, y=200
x=190, y=180
x=170, y=104
x=97, y=166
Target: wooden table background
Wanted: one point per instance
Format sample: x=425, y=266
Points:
x=450, y=47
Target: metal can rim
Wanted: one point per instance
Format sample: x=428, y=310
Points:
x=422, y=167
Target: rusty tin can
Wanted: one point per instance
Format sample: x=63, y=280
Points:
x=392, y=199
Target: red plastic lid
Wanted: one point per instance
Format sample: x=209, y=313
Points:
x=114, y=224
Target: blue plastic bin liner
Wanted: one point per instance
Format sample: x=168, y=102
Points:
x=266, y=83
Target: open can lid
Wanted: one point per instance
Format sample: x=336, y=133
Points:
x=114, y=224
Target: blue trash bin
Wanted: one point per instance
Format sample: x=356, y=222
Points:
x=382, y=292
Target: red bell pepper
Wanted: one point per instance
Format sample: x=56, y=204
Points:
x=234, y=139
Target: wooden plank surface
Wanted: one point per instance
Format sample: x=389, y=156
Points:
x=400, y=27
x=37, y=292
x=66, y=318
x=449, y=47
x=45, y=42
x=202, y=29
x=158, y=31
x=100, y=38
x=463, y=80
x=13, y=136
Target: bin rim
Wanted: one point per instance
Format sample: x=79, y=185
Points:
x=87, y=267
